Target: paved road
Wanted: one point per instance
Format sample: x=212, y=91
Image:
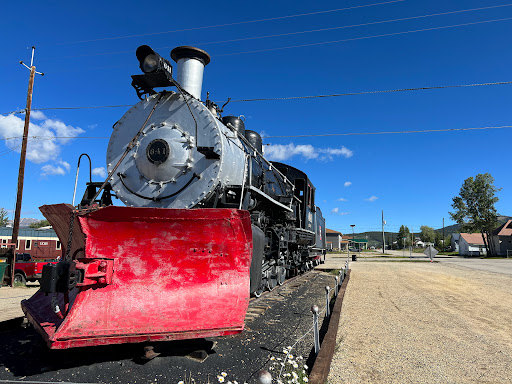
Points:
x=503, y=266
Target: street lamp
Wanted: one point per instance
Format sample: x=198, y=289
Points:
x=353, y=242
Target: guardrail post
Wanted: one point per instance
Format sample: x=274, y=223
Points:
x=336, y=287
x=327, y=309
x=314, y=309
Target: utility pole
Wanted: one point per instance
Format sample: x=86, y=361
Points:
x=443, y=235
x=412, y=242
x=21, y=173
x=383, y=237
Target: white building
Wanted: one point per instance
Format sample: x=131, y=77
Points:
x=471, y=244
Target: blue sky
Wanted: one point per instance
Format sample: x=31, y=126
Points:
x=87, y=52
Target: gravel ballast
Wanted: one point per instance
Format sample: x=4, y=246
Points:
x=424, y=323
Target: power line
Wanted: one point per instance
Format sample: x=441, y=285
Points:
x=392, y=132
x=292, y=136
x=373, y=92
x=348, y=26
x=235, y=23
x=362, y=38
x=302, y=32
x=292, y=97
x=54, y=137
x=71, y=108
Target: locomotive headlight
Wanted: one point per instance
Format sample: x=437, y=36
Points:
x=157, y=72
x=150, y=63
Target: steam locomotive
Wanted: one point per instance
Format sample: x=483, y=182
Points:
x=208, y=222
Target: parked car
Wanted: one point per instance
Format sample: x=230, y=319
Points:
x=28, y=269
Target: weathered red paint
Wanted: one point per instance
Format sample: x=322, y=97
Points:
x=150, y=274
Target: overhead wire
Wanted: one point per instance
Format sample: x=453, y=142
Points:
x=303, y=32
x=291, y=97
x=350, y=26
x=373, y=92
x=235, y=23
x=390, y=132
x=294, y=136
x=362, y=37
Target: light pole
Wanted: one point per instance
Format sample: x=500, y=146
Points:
x=353, y=242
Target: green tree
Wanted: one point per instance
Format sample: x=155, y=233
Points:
x=428, y=234
x=3, y=217
x=40, y=223
x=404, y=232
x=474, y=208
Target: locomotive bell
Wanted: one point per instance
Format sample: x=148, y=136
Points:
x=191, y=62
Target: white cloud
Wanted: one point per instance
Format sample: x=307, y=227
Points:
x=65, y=164
x=281, y=152
x=101, y=172
x=347, y=184
x=336, y=211
x=329, y=153
x=48, y=170
x=46, y=146
x=342, y=199
x=372, y=198
x=37, y=115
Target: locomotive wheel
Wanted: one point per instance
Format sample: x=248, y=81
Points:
x=272, y=278
x=281, y=275
x=260, y=289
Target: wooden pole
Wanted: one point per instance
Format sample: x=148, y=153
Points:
x=21, y=173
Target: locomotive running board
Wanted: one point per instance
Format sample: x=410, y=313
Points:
x=147, y=274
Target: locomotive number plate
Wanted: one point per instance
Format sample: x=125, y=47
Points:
x=157, y=151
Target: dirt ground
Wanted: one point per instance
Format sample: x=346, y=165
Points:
x=10, y=299
x=424, y=323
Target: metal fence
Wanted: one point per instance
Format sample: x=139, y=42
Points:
x=264, y=377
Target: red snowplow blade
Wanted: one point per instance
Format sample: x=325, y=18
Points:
x=148, y=274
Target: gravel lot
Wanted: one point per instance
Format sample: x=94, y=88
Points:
x=10, y=299
x=424, y=323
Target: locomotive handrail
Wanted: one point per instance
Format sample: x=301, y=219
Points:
x=244, y=139
x=77, y=170
x=270, y=198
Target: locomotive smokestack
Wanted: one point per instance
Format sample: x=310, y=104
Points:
x=191, y=62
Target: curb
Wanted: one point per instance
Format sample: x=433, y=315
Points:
x=322, y=364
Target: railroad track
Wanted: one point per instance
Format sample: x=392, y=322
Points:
x=258, y=305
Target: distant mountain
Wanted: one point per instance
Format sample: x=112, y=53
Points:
x=24, y=222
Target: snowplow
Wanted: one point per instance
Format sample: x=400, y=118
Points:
x=143, y=274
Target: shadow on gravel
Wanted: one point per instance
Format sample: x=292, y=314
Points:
x=24, y=352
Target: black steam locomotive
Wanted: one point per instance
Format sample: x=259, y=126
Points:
x=186, y=155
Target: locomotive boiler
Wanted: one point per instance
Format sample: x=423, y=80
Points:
x=207, y=222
